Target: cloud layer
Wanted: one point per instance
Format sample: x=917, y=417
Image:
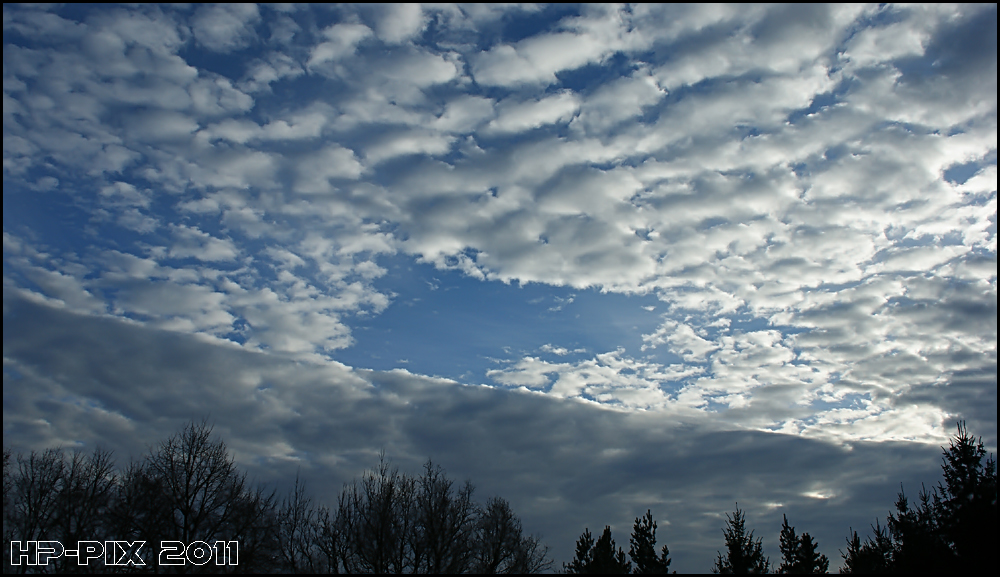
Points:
x=804, y=196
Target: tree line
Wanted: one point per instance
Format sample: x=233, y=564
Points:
x=952, y=529
x=189, y=489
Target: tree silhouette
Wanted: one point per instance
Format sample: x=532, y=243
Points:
x=598, y=557
x=642, y=548
x=54, y=497
x=918, y=543
x=966, y=505
x=189, y=489
x=872, y=556
x=445, y=519
x=299, y=533
x=743, y=554
x=206, y=497
x=500, y=547
x=375, y=519
x=584, y=557
x=606, y=558
x=954, y=528
x=798, y=553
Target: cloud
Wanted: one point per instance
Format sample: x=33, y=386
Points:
x=406, y=143
x=191, y=242
x=342, y=40
x=619, y=101
x=224, y=28
x=334, y=162
x=329, y=422
x=400, y=22
x=464, y=114
x=521, y=116
x=262, y=74
x=536, y=60
x=805, y=194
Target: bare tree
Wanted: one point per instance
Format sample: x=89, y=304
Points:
x=500, y=546
x=202, y=496
x=52, y=498
x=328, y=541
x=141, y=510
x=375, y=519
x=199, y=480
x=299, y=533
x=445, y=518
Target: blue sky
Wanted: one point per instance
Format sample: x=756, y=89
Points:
x=579, y=254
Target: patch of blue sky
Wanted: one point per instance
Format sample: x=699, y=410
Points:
x=593, y=76
x=45, y=212
x=445, y=323
x=962, y=172
x=518, y=25
x=820, y=102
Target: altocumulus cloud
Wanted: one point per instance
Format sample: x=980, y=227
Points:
x=637, y=257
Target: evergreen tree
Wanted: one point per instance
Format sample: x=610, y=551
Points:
x=598, y=557
x=789, y=545
x=607, y=559
x=918, y=544
x=872, y=556
x=798, y=553
x=584, y=554
x=642, y=548
x=952, y=529
x=810, y=560
x=743, y=553
x=966, y=504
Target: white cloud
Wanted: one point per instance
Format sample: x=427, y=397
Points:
x=407, y=143
x=619, y=101
x=225, y=27
x=191, y=242
x=262, y=74
x=400, y=22
x=521, y=116
x=464, y=114
x=342, y=40
x=333, y=162
x=874, y=45
x=537, y=59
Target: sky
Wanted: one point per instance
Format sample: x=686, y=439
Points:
x=597, y=259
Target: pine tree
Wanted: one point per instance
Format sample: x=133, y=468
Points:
x=798, y=553
x=789, y=545
x=966, y=504
x=918, y=545
x=872, y=556
x=809, y=560
x=608, y=559
x=584, y=554
x=743, y=554
x=953, y=529
x=598, y=557
x=642, y=548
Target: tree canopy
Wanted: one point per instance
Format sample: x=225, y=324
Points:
x=188, y=489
